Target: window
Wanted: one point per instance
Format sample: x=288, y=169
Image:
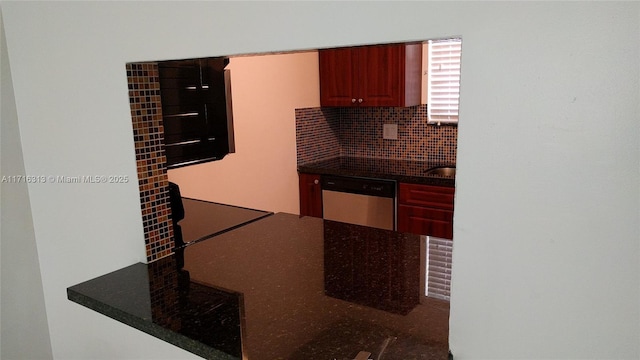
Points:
x=438, y=267
x=443, y=89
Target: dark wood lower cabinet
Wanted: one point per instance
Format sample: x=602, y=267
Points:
x=425, y=221
x=310, y=195
x=426, y=210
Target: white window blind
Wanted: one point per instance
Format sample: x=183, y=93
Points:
x=438, y=278
x=443, y=93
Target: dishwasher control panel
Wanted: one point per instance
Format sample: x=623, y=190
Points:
x=358, y=185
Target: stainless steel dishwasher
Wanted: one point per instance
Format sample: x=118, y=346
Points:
x=360, y=201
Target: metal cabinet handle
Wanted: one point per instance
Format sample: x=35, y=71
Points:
x=360, y=100
x=353, y=101
x=316, y=181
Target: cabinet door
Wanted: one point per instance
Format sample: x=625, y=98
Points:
x=310, y=195
x=381, y=75
x=337, y=77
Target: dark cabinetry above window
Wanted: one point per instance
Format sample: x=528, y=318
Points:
x=196, y=110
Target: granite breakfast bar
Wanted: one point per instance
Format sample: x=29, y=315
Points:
x=281, y=287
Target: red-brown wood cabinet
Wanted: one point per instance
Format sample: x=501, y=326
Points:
x=378, y=75
x=426, y=210
x=310, y=195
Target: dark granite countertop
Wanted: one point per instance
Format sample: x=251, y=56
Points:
x=400, y=170
x=283, y=287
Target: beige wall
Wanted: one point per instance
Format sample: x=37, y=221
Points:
x=261, y=173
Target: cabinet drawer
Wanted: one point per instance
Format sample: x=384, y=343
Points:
x=425, y=221
x=425, y=195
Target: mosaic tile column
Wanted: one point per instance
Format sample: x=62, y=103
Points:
x=148, y=135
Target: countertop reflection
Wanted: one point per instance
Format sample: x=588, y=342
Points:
x=283, y=287
x=204, y=219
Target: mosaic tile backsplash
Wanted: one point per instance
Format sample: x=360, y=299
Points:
x=148, y=135
x=317, y=134
x=357, y=132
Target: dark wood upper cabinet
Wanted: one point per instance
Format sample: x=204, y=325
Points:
x=336, y=77
x=378, y=75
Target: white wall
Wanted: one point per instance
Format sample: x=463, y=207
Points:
x=24, y=331
x=547, y=241
x=261, y=174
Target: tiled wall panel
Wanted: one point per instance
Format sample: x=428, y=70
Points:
x=148, y=134
x=317, y=132
x=323, y=133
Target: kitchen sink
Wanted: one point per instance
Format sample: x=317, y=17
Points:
x=445, y=171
